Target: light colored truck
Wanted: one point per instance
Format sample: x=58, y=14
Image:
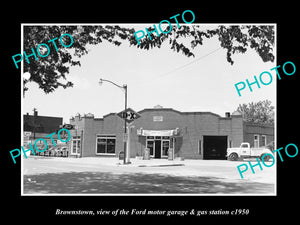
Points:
x=244, y=151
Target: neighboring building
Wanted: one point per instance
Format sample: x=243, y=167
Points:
x=258, y=134
x=40, y=126
x=193, y=135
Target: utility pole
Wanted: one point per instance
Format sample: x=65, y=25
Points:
x=34, y=122
x=125, y=126
x=124, y=88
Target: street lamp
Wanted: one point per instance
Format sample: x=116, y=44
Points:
x=124, y=88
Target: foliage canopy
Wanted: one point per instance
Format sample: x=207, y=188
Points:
x=50, y=72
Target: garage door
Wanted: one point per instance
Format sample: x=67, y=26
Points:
x=214, y=147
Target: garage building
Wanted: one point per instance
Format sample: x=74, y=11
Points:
x=191, y=135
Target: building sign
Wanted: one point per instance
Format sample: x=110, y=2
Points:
x=68, y=126
x=158, y=132
x=26, y=139
x=158, y=118
x=143, y=132
x=129, y=115
x=27, y=133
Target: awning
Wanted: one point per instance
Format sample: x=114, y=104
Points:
x=143, y=132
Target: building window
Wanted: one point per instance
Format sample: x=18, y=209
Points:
x=75, y=146
x=199, y=147
x=106, y=144
x=264, y=140
x=158, y=145
x=165, y=148
x=150, y=145
x=256, y=140
x=158, y=118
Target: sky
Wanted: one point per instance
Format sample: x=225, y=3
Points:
x=158, y=76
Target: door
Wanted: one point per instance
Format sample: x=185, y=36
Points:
x=245, y=150
x=214, y=147
x=157, y=147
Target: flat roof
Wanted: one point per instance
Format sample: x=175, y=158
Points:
x=170, y=109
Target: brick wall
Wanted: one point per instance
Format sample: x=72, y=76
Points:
x=250, y=129
x=41, y=124
x=188, y=143
x=92, y=127
x=236, y=130
x=192, y=125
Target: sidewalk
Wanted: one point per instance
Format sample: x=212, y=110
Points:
x=114, y=161
x=153, y=162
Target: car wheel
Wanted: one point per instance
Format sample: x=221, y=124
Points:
x=233, y=157
x=266, y=158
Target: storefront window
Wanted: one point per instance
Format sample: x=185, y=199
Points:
x=158, y=145
x=75, y=146
x=111, y=144
x=101, y=145
x=106, y=145
x=150, y=145
x=165, y=148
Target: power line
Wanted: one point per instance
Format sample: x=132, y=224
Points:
x=178, y=68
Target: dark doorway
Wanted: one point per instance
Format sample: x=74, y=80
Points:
x=214, y=147
x=157, y=149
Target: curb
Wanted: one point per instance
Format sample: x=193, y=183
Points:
x=163, y=165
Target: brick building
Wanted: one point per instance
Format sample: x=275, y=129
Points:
x=194, y=135
x=40, y=126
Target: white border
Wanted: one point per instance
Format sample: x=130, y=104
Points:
x=22, y=113
x=148, y=24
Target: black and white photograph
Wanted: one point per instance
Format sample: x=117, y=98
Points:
x=167, y=116
x=150, y=120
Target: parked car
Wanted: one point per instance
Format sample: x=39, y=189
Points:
x=244, y=151
x=61, y=151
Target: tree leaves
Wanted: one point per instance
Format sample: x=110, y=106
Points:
x=262, y=40
x=258, y=112
x=48, y=72
x=235, y=39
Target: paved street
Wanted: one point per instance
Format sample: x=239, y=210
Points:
x=156, y=176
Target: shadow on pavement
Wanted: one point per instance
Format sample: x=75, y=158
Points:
x=106, y=182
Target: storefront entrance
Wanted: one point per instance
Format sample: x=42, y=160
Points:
x=158, y=146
